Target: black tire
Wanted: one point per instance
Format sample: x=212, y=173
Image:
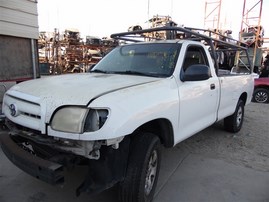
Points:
x=142, y=170
x=261, y=95
x=234, y=122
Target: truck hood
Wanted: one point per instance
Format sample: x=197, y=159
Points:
x=76, y=89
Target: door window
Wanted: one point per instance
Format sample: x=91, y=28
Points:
x=194, y=55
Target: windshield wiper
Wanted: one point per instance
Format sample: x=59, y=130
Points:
x=130, y=72
x=98, y=71
x=133, y=73
x=151, y=74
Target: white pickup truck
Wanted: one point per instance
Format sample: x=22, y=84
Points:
x=114, y=118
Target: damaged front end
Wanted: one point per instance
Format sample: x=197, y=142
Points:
x=45, y=157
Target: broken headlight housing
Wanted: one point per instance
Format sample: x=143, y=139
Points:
x=78, y=119
x=96, y=118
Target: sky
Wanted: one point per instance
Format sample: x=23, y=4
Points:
x=104, y=17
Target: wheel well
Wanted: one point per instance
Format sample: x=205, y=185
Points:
x=243, y=97
x=262, y=86
x=160, y=127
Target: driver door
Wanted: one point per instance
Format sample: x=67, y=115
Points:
x=198, y=99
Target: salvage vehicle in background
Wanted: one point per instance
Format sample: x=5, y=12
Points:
x=261, y=90
x=261, y=84
x=249, y=35
x=115, y=118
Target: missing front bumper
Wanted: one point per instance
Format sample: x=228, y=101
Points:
x=102, y=173
x=39, y=168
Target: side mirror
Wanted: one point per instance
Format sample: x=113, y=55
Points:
x=197, y=72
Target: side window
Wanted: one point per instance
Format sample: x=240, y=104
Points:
x=194, y=55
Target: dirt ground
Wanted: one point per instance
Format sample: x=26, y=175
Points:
x=249, y=147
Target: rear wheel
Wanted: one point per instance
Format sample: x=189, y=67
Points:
x=143, y=169
x=234, y=122
x=261, y=95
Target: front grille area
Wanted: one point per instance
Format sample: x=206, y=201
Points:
x=31, y=115
x=23, y=112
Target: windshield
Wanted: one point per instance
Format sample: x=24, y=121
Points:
x=157, y=60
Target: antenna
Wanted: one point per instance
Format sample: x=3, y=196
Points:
x=148, y=8
x=172, y=5
x=148, y=12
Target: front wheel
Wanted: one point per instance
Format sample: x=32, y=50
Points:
x=234, y=122
x=143, y=169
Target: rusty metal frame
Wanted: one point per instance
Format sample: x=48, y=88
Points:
x=245, y=22
x=189, y=33
x=64, y=54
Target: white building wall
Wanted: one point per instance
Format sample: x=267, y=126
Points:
x=19, y=18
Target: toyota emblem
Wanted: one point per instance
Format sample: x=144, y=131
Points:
x=13, y=110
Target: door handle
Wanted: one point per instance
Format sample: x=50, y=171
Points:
x=212, y=86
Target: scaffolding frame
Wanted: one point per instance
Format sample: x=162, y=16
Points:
x=212, y=14
x=249, y=15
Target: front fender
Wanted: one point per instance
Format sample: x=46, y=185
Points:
x=132, y=107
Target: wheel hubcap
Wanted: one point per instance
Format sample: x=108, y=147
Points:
x=151, y=172
x=239, y=116
x=261, y=97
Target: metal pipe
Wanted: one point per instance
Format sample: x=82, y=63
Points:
x=33, y=57
x=258, y=32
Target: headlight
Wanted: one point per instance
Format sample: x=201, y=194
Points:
x=95, y=120
x=78, y=119
x=69, y=119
